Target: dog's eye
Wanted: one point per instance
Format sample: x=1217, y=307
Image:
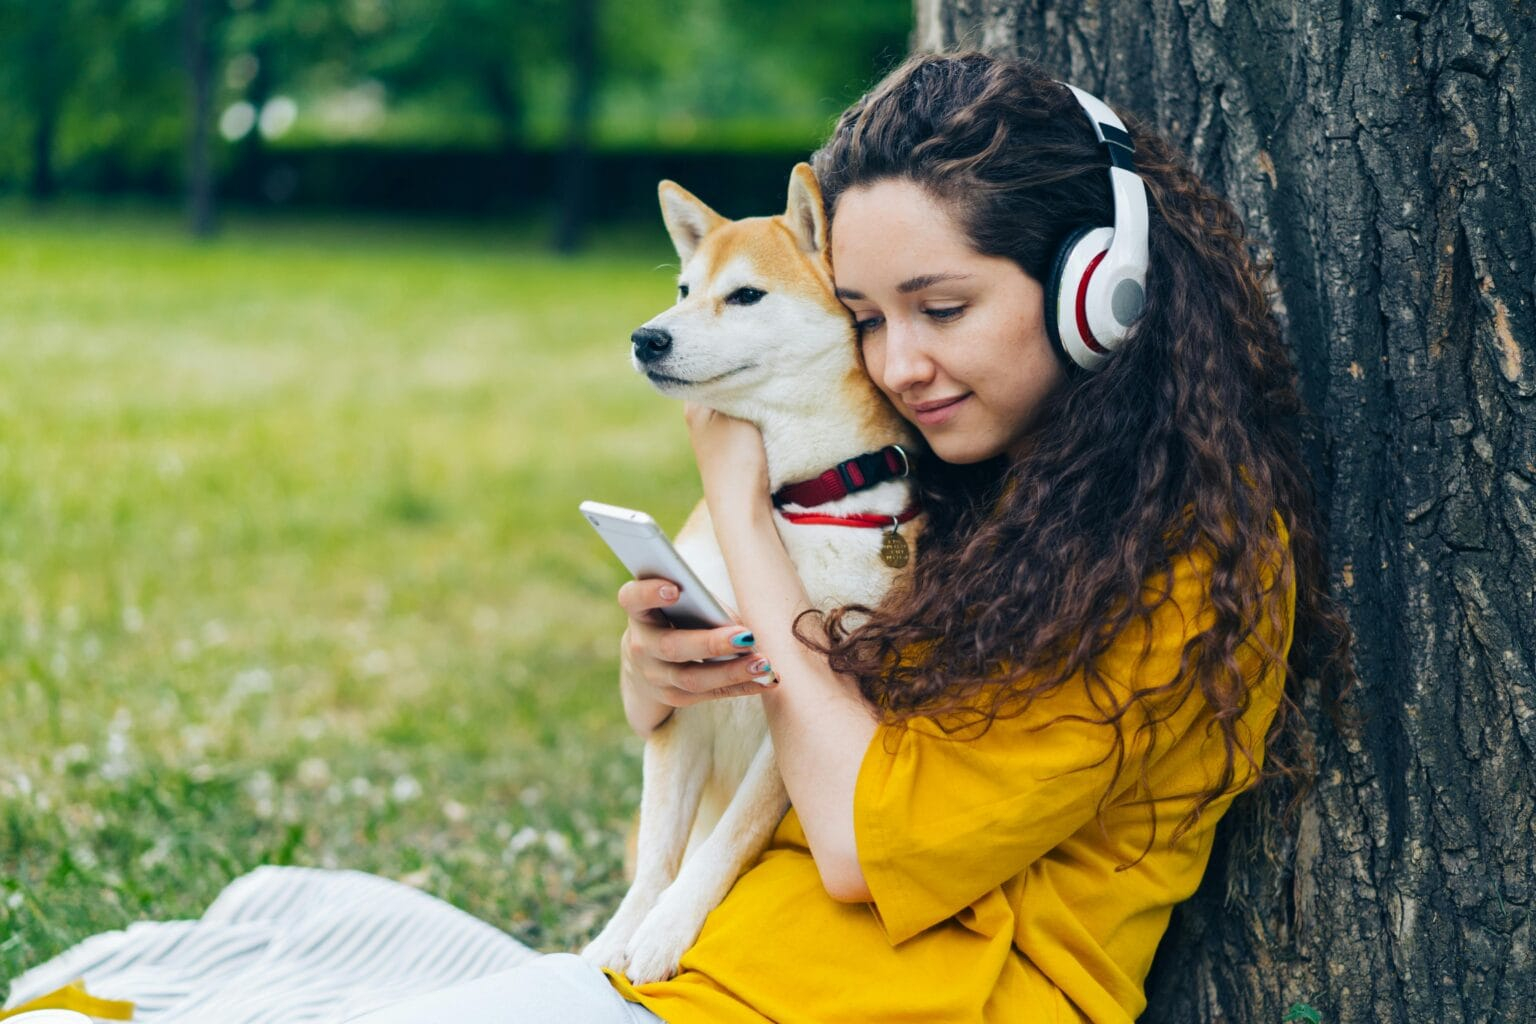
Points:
x=745, y=296
x=682, y=291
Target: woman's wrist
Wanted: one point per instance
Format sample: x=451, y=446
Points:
x=645, y=714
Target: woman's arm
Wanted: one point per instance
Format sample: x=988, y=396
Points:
x=821, y=724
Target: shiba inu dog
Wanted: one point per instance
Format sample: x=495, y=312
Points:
x=756, y=333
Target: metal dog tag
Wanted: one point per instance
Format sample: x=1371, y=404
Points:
x=893, y=549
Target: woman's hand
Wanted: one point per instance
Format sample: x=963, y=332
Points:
x=661, y=668
x=732, y=462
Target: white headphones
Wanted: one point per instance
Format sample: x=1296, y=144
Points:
x=1098, y=279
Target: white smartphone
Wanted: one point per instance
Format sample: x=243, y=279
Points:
x=646, y=551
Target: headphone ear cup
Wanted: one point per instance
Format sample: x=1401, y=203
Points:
x=1054, y=295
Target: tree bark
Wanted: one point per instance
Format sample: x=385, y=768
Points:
x=197, y=50
x=1382, y=153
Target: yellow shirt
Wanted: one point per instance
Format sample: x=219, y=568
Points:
x=995, y=894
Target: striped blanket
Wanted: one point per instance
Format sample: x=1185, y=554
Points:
x=283, y=945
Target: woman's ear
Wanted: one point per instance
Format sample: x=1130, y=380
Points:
x=688, y=220
x=806, y=215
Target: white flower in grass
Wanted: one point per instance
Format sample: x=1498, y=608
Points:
x=360, y=787
x=375, y=663
x=118, y=762
x=260, y=785
x=75, y=753
x=526, y=837
x=557, y=844
x=313, y=773
x=247, y=682
x=133, y=619
x=157, y=854
x=214, y=633
x=455, y=812
x=405, y=789
x=14, y=901
x=195, y=738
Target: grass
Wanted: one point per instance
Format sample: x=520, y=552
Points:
x=291, y=569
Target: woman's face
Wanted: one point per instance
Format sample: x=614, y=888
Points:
x=940, y=324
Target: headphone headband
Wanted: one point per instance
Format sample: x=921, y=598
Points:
x=1098, y=279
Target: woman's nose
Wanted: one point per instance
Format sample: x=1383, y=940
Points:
x=907, y=365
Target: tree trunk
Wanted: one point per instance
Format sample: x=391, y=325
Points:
x=251, y=154
x=41, y=184
x=574, y=163
x=197, y=50
x=1383, y=153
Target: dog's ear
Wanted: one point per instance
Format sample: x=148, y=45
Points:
x=688, y=220
x=806, y=215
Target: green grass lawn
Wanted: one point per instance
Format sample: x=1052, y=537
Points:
x=291, y=570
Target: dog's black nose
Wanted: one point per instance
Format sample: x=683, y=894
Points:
x=651, y=343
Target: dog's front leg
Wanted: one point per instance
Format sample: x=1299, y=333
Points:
x=676, y=766
x=756, y=809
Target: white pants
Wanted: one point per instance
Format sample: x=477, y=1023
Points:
x=560, y=988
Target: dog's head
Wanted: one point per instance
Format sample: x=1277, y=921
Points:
x=756, y=320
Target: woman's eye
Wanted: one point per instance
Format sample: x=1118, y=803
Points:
x=682, y=291
x=868, y=324
x=745, y=296
x=945, y=313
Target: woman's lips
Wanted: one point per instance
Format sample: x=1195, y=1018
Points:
x=939, y=414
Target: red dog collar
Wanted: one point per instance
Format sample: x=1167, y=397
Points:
x=857, y=519
x=843, y=479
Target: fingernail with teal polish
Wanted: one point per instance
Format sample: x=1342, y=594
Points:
x=760, y=666
x=743, y=639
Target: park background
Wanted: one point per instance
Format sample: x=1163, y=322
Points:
x=297, y=408
x=313, y=321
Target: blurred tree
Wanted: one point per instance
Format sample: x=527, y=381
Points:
x=199, y=31
x=682, y=70
x=108, y=93
x=575, y=160
x=482, y=51
x=40, y=57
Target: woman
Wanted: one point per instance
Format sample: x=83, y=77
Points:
x=1005, y=777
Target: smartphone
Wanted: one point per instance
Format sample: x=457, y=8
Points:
x=646, y=551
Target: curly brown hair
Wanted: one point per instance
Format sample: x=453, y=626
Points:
x=1187, y=439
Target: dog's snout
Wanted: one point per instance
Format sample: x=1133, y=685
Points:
x=651, y=343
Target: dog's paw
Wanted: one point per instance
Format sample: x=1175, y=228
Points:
x=660, y=942
x=607, y=950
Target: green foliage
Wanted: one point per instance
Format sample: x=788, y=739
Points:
x=1303, y=1013
x=292, y=570
x=690, y=74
